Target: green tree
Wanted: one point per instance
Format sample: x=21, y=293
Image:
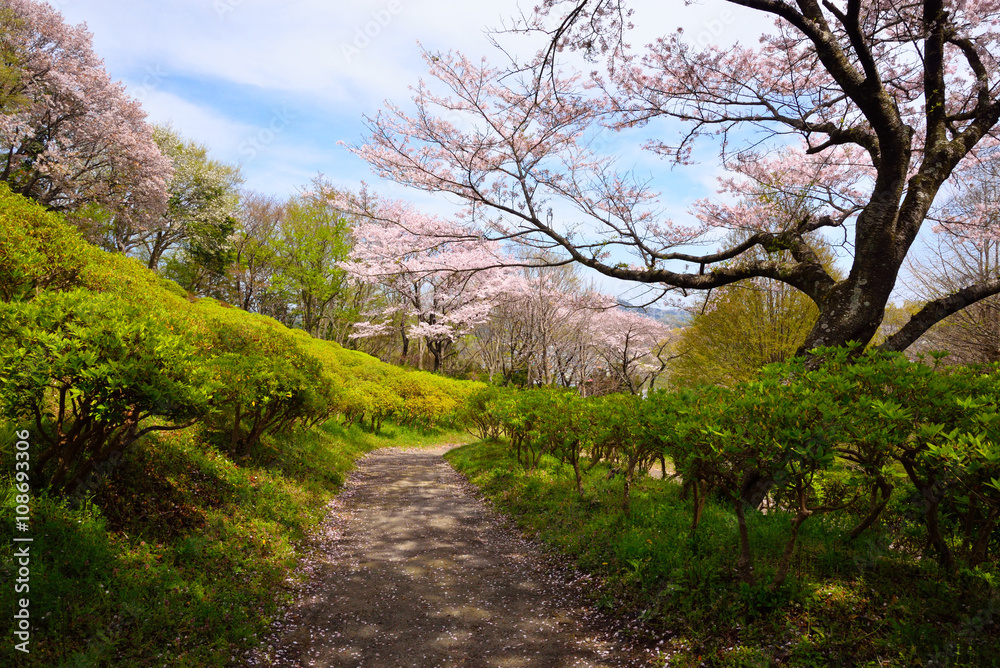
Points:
x=204, y=195
x=742, y=328
x=258, y=224
x=746, y=325
x=13, y=56
x=201, y=263
x=314, y=238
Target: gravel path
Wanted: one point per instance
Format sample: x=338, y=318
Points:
x=411, y=569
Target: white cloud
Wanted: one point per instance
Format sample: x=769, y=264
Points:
x=337, y=52
x=222, y=70
x=331, y=53
x=199, y=123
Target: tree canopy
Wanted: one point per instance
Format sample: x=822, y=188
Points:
x=862, y=110
x=72, y=138
x=204, y=195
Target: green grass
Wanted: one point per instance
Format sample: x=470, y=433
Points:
x=863, y=604
x=179, y=556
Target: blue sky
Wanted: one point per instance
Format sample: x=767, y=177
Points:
x=274, y=86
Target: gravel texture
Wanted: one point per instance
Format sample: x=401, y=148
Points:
x=411, y=568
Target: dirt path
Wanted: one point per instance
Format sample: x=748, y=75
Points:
x=411, y=569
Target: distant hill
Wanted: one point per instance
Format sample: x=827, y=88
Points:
x=672, y=317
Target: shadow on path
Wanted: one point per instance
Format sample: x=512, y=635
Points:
x=412, y=570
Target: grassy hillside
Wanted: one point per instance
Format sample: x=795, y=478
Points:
x=178, y=450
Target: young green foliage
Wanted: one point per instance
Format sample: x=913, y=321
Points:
x=91, y=371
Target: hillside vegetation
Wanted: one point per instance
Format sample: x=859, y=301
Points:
x=178, y=449
x=845, y=515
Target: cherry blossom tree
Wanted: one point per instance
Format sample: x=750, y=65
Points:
x=634, y=347
x=563, y=314
x=861, y=111
x=203, y=199
x=966, y=250
x=441, y=279
x=71, y=138
x=503, y=344
x=548, y=328
x=539, y=329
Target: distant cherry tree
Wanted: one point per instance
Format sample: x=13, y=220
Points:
x=635, y=348
x=71, y=138
x=965, y=250
x=440, y=281
x=549, y=328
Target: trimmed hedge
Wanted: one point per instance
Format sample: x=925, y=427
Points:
x=834, y=439
x=97, y=350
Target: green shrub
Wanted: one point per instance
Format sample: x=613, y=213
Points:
x=92, y=371
x=479, y=415
x=836, y=439
x=178, y=359
x=262, y=380
x=38, y=250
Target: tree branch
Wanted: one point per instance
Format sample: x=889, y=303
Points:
x=937, y=310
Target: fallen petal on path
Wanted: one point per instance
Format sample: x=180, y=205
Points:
x=410, y=568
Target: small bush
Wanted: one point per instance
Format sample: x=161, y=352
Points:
x=90, y=372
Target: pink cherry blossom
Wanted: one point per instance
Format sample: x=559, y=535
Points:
x=70, y=136
x=443, y=278
x=849, y=116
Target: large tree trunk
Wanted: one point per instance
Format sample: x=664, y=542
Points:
x=851, y=312
x=852, y=309
x=755, y=488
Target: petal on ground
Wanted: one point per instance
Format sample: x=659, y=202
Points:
x=410, y=568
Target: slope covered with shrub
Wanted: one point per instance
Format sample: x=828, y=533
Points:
x=861, y=498
x=179, y=448
x=97, y=350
